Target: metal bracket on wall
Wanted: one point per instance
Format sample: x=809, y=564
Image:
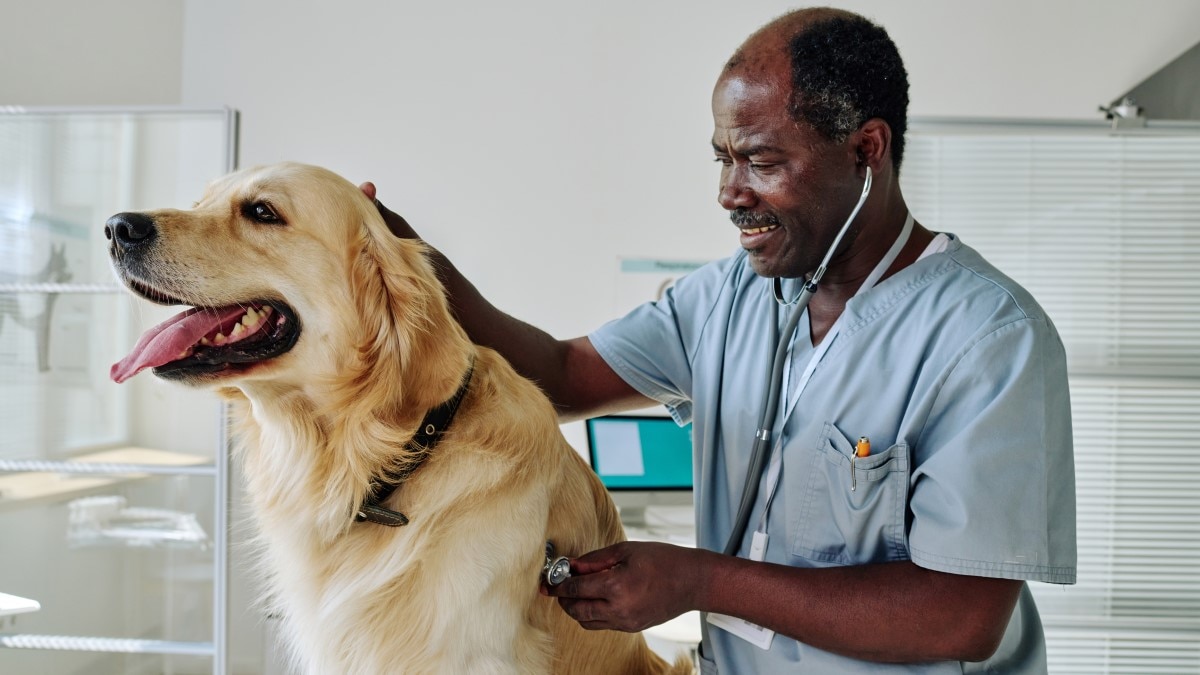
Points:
x=1125, y=114
x=1170, y=93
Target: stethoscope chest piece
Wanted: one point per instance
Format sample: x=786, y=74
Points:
x=556, y=570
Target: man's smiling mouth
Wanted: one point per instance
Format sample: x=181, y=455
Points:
x=751, y=223
x=758, y=230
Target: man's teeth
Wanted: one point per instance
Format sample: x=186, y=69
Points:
x=759, y=230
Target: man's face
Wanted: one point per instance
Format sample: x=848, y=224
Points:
x=787, y=188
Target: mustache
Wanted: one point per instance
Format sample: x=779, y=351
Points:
x=743, y=217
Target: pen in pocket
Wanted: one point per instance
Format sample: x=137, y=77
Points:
x=861, y=450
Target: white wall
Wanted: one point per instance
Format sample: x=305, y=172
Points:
x=535, y=141
x=76, y=52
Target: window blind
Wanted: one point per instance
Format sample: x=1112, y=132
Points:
x=1104, y=229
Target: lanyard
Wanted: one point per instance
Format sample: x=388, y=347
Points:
x=776, y=465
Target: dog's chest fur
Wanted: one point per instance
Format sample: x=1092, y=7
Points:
x=362, y=597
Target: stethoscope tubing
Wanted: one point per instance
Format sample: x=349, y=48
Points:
x=761, y=448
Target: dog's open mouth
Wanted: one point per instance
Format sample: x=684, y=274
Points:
x=210, y=340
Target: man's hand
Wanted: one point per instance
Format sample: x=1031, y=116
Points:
x=916, y=614
x=579, y=382
x=397, y=224
x=631, y=586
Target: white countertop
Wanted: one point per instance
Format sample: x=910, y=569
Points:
x=12, y=604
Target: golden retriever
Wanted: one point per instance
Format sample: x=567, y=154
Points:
x=333, y=340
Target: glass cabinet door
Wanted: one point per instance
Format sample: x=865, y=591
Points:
x=113, y=498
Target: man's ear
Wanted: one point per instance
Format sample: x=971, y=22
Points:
x=874, y=144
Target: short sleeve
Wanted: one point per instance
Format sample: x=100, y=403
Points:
x=653, y=348
x=993, y=491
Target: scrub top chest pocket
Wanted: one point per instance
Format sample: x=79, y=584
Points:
x=853, y=510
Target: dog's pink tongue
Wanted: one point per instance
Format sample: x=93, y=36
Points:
x=167, y=341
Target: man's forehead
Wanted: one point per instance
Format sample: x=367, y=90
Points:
x=741, y=87
x=741, y=101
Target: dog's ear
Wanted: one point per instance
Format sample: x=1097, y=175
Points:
x=407, y=355
x=410, y=348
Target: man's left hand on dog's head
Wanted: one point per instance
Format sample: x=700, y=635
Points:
x=395, y=222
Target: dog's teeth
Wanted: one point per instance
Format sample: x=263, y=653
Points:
x=237, y=330
x=204, y=341
x=253, y=317
x=219, y=339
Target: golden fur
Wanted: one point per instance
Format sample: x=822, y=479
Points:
x=455, y=591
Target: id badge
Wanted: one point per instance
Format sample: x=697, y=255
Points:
x=750, y=632
x=753, y=633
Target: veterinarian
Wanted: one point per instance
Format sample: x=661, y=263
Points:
x=920, y=466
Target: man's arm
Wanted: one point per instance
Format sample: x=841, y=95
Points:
x=578, y=381
x=890, y=612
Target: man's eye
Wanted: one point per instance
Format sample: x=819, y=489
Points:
x=262, y=212
x=723, y=160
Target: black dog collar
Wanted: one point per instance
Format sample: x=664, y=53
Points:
x=421, y=445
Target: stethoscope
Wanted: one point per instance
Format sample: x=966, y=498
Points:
x=557, y=568
x=761, y=450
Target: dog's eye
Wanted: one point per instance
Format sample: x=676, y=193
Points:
x=262, y=212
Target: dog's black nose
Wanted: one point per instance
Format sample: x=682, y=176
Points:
x=129, y=230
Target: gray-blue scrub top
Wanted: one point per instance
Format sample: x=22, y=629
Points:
x=955, y=374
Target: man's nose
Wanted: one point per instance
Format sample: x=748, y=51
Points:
x=734, y=193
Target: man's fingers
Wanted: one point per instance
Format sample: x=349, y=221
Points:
x=586, y=586
x=396, y=223
x=587, y=612
x=598, y=560
x=595, y=615
x=585, y=567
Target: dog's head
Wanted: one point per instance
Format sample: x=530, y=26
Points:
x=291, y=274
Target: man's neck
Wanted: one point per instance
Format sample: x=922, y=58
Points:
x=835, y=291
